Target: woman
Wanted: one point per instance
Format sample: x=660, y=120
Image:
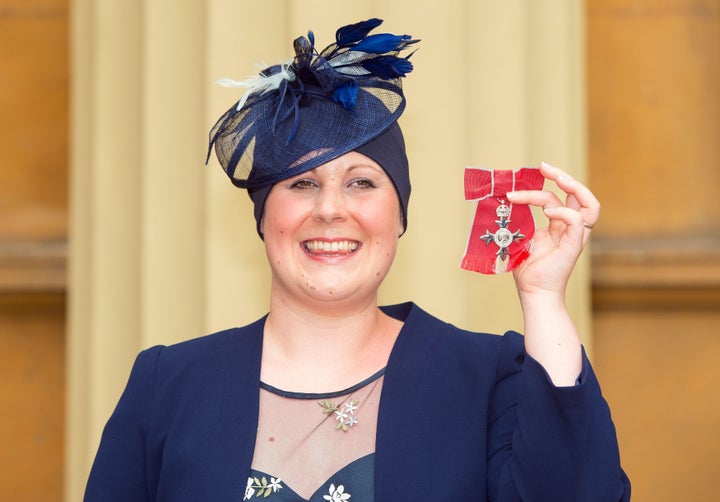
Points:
x=330, y=397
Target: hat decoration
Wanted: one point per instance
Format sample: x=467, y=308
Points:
x=297, y=115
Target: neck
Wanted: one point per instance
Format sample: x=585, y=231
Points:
x=318, y=348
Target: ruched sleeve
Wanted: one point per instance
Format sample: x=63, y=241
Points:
x=547, y=442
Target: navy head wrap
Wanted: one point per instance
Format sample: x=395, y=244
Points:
x=315, y=108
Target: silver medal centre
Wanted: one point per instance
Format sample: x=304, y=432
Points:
x=503, y=237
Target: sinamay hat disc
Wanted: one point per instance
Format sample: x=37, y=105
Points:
x=253, y=153
x=301, y=115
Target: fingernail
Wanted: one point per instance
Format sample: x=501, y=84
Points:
x=565, y=177
x=548, y=210
x=545, y=164
x=511, y=195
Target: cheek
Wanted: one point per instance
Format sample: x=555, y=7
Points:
x=278, y=215
x=277, y=247
x=387, y=227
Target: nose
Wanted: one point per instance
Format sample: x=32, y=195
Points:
x=330, y=204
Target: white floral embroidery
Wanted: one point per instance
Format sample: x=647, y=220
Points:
x=259, y=487
x=275, y=484
x=249, y=491
x=337, y=494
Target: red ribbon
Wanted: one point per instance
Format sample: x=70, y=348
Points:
x=489, y=188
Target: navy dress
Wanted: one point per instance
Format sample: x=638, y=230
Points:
x=462, y=417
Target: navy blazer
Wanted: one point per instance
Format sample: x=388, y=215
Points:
x=463, y=417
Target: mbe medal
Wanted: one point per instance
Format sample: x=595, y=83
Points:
x=501, y=233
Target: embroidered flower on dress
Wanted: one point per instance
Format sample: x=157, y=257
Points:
x=275, y=484
x=264, y=489
x=249, y=491
x=337, y=494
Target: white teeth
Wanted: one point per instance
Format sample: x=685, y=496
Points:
x=331, y=247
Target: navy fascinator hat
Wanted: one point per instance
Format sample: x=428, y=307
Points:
x=316, y=107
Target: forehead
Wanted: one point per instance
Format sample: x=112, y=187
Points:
x=350, y=161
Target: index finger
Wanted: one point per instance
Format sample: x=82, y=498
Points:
x=579, y=197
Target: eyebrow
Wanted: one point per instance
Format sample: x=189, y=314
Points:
x=355, y=165
x=359, y=165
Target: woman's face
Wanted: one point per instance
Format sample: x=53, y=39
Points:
x=331, y=233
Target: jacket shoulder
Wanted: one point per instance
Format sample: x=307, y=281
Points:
x=204, y=348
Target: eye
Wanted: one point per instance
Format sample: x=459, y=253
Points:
x=303, y=184
x=362, y=183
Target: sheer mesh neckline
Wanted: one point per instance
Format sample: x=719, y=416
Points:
x=322, y=395
x=305, y=440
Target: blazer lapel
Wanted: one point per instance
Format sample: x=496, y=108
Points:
x=398, y=463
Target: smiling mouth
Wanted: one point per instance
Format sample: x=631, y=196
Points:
x=334, y=247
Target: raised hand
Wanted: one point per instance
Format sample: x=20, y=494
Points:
x=556, y=247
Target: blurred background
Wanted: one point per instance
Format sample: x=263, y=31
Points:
x=114, y=236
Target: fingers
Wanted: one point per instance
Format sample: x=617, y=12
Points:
x=539, y=198
x=573, y=220
x=579, y=197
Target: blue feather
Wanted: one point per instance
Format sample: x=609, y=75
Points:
x=384, y=42
x=346, y=93
x=348, y=35
x=388, y=67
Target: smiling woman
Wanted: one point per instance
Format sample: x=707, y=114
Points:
x=330, y=395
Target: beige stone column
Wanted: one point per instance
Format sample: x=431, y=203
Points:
x=137, y=255
x=104, y=261
x=164, y=249
x=173, y=171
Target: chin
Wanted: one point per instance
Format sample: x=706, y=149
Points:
x=341, y=291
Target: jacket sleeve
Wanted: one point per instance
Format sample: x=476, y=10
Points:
x=547, y=442
x=119, y=470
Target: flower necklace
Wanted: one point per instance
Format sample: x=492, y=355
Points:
x=344, y=414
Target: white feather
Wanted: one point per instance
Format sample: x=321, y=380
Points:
x=260, y=83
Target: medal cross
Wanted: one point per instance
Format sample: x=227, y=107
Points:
x=503, y=237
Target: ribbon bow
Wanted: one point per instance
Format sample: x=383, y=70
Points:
x=501, y=232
